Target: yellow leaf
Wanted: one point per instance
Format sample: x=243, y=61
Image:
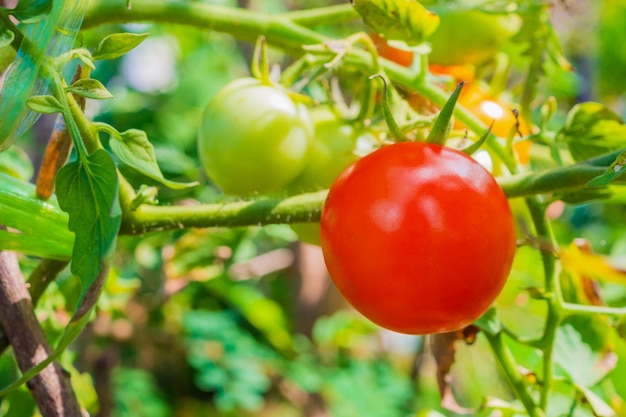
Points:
x=598, y=267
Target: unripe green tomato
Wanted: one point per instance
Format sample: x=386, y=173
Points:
x=336, y=145
x=254, y=138
x=470, y=37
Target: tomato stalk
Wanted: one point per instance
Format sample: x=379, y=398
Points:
x=552, y=288
x=260, y=62
x=508, y=365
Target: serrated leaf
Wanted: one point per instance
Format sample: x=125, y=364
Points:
x=88, y=192
x=44, y=104
x=133, y=149
x=592, y=129
x=118, y=44
x=32, y=11
x=407, y=21
x=614, y=171
x=89, y=88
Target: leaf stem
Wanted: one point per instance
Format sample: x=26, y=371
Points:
x=552, y=287
x=507, y=363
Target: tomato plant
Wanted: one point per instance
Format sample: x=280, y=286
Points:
x=204, y=305
x=418, y=237
x=254, y=138
x=470, y=36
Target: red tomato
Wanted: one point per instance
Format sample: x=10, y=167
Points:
x=417, y=237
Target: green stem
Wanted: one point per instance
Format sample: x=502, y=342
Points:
x=552, y=287
x=307, y=207
x=587, y=310
x=241, y=23
x=330, y=15
x=280, y=32
x=299, y=209
x=507, y=363
x=550, y=181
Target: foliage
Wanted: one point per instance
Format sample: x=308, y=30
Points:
x=183, y=300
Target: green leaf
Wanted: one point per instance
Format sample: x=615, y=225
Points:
x=6, y=36
x=44, y=104
x=615, y=170
x=577, y=361
x=17, y=163
x=90, y=88
x=118, y=44
x=599, y=407
x=32, y=11
x=592, y=129
x=407, y=21
x=37, y=245
x=133, y=149
x=88, y=191
x=439, y=133
x=30, y=216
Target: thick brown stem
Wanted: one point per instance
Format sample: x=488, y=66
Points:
x=51, y=389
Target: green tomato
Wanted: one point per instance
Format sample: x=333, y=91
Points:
x=337, y=144
x=332, y=150
x=470, y=37
x=254, y=138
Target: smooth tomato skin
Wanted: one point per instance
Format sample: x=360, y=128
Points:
x=254, y=138
x=417, y=237
x=332, y=150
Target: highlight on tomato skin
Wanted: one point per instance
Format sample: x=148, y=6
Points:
x=419, y=238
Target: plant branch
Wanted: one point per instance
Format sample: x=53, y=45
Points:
x=298, y=209
x=322, y=15
x=281, y=32
x=507, y=363
x=308, y=207
x=51, y=388
x=552, y=288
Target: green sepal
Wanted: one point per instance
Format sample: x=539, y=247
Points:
x=439, y=133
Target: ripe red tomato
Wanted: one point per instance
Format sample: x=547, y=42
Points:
x=418, y=237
